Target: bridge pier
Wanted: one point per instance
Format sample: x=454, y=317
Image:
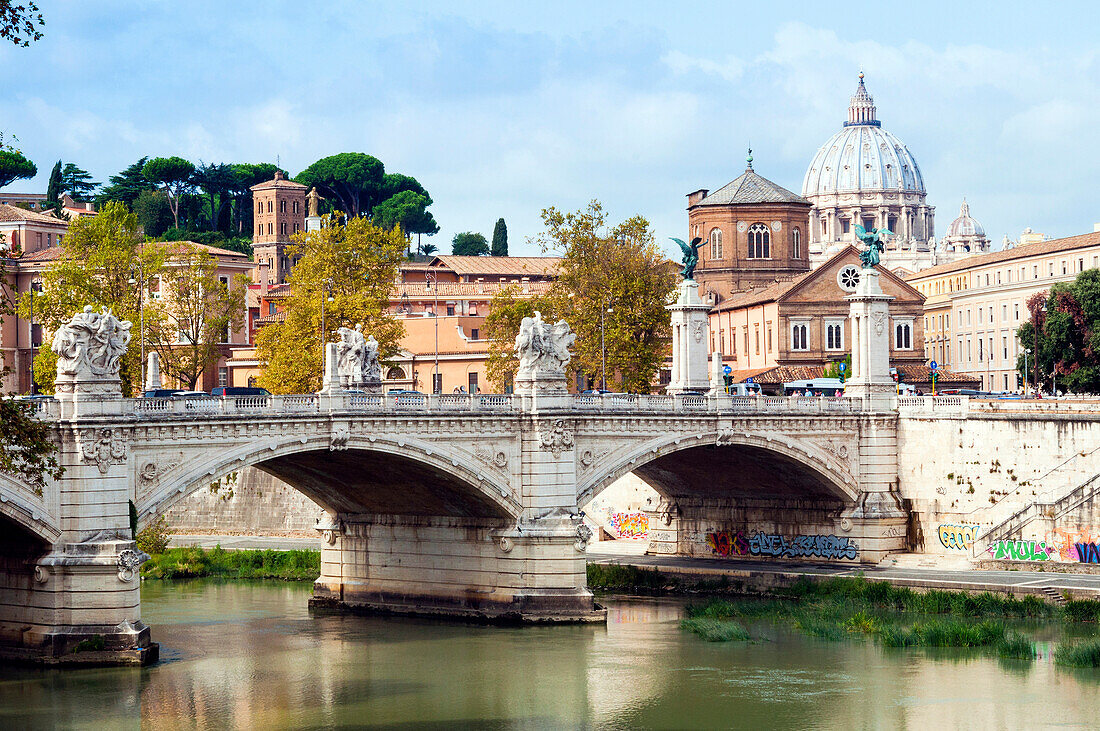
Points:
x=479, y=569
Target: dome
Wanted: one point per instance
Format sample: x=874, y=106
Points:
x=862, y=157
x=964, y=225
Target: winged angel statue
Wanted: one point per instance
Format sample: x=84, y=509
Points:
x=874, y=241
x=691, y=256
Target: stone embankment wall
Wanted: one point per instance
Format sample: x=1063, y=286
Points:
x=251, y=503
x=964, y=476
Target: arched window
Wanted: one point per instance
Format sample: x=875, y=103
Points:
x=903, y=336
x=760, y=242
x=716, y=243
x=796, y=244
x=834, y=335
x=800, y=336
x=395, y=374
x=282, y=206
x=269, y=206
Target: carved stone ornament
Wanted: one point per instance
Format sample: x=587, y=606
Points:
x=338, y=439
x=129, y=561
x=589, y=457
x=777, y=225
x=494, y=458
x=742, y=226
x=150, y=473
x=357, y=358
x=104, y=447
x=584, y=535
x=90, y=346
x=507, y=544
x=555, y=436
x=542, y=348
x=879, y=320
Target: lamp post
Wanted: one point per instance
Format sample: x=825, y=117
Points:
x=140, y=282
x=603, y=349
x=1027, y=352
x=35, y=287
x=324, y=295
x=432, y=283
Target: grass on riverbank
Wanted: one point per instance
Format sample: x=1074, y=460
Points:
x=193, y=562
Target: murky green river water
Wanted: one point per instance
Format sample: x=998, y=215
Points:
x=250, y=656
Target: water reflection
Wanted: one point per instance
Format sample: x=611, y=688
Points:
x=252, y=656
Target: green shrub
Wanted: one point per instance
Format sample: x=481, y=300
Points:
x=1079, y=655
x=154, y=538
x=944, y=633
x=1015, y=646
x=94, y=644
x=715, y=630
x=1081, y=610
x=615, y=577
x=863, y=622
x=815, y=626
x=192, y=561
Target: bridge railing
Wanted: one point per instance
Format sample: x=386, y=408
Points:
x=618, y=402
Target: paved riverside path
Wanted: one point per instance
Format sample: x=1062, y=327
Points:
x=973, y=580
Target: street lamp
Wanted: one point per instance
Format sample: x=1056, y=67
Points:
x=431, y=282
x=1027, y=352
x=35, y=287
x=140, y=282
x=324, y=295
x=603, y=350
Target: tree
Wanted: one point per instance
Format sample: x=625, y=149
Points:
x=621, y=270
x=216, y=182
x=428, y=249
x=469, y=243
x=1067, y=319
x=153, y=212
x=20, y=23
x=13, y=166
x=188, y=325
x=351, y=266
x=500, y=239
x=408, y=210
x=352, y=180
x=53, y=189
x=173, y=175
x=245, y=175
x=77, y=182
x=127, y=185
x=100, y=257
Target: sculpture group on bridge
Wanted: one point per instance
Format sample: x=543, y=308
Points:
x=357, y=358
x=543, y=348
x=91, y=344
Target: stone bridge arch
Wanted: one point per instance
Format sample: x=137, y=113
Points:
x=295, y=460
x=832, y=468
x=23, y=506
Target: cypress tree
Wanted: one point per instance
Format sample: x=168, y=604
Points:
x=53, y=190
x=500, y=239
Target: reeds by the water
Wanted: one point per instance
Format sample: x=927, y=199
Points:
x=1085, y=654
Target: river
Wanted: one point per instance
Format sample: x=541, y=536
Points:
x=251, y=656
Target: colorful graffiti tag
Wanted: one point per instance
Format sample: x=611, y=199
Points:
x=726, y=543
x=1021, y=550
x=1070, y=542
x=775, y=545
x=1087, y=552
x=958, y=536
x=634, y=526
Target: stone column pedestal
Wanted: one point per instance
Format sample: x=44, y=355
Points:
x=870, y=317
x=690, y=341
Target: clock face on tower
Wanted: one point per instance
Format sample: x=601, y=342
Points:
x=848, y=278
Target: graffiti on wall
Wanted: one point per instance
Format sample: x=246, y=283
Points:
x=728, y=543
x=1009, y=550
x=1087, y=552
x=634, y=526
x=777, y=546
x=958, y=536
x=1074, y=544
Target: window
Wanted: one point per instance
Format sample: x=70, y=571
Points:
x=998, y=277
x=259, y=229
x=733, y=341
x=747, y=342
x=1035, y=272
x=1050, y=269
x=437, y=383
x=271, y=308
x=1004, y=312
x=295, y=206
x=259, y=206
x=1016, y=311
x=269, y=206
x=987, y=279
x=845, y=225
x=474, y=334
x=769, y=337
x=800, y=335
x=282, y=206
x=1080, y=265
x=947, y=321
x=796, y=244
x=450, y=310
x=990, y=315
x=834, y=335
x=759, y=241
x=721, y=341
x=903, y=336
x=716, y=243
x=473, y=382
x=395, y=374
x=1004, y=342
x=980, y=316
x=758, y=340
x=296, y=228
x=980, y=352
x=282, y=226
x=223, y=376
x=270, y=229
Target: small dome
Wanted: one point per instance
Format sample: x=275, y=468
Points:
x=964, y=225
x=862, y=157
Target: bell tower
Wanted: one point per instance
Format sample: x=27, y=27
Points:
x=279, y=212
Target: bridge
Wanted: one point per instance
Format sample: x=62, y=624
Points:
x=446, y=504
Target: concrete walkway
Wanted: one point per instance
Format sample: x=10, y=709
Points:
x=630, y=553
x=1021, y=582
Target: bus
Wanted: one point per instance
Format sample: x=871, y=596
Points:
x=823, y=386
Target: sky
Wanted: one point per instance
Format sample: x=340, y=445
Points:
x=502, y=109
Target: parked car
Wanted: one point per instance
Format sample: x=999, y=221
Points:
x=161, y=392
x=239, y=391
x=33, y=397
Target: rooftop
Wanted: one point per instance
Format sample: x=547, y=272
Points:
x=532, y=266
x=279, y=181
x=751, y=188
x=1022, y=251
x=14, y=214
